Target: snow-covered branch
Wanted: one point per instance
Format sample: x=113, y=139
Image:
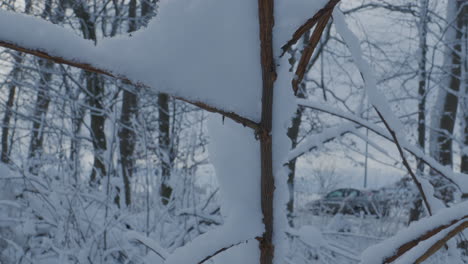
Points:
x=425, y=236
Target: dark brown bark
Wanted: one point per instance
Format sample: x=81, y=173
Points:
x=309, y=49
x=304, y=28
x=266, y=22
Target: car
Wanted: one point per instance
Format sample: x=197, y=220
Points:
x=345, y=201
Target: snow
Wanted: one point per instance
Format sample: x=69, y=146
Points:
x=208, y=51
x=377, y=253
x=283, y=109
x=289, y=15
x=235, y=153
x=317, y=140
x=376, y=98
x=311, y=235
x=201, y=50
x=153, y=245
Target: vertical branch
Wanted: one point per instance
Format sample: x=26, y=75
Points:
x=266, y=21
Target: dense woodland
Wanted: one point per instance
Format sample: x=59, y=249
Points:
x=97, y=169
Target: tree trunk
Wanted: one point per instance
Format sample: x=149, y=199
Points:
x=14, y=75
x=445, y=112
x=165, y=148
x=444, y=117
x=416, y=210
x=464, y=156
x=95, y=89
x=266, y=22
x=127, y=135
x=129, y=110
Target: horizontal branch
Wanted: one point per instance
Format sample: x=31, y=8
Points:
x=90, y=68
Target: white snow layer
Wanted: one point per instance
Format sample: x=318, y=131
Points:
x=201, y=50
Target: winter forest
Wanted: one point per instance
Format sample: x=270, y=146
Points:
x=233, y=131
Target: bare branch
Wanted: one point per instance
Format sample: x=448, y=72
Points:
x=309, y=49
x=220, y=251
x=309, y=24
x=405, y=162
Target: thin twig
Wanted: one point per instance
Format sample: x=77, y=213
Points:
x=220, y=251
x=405, y=161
